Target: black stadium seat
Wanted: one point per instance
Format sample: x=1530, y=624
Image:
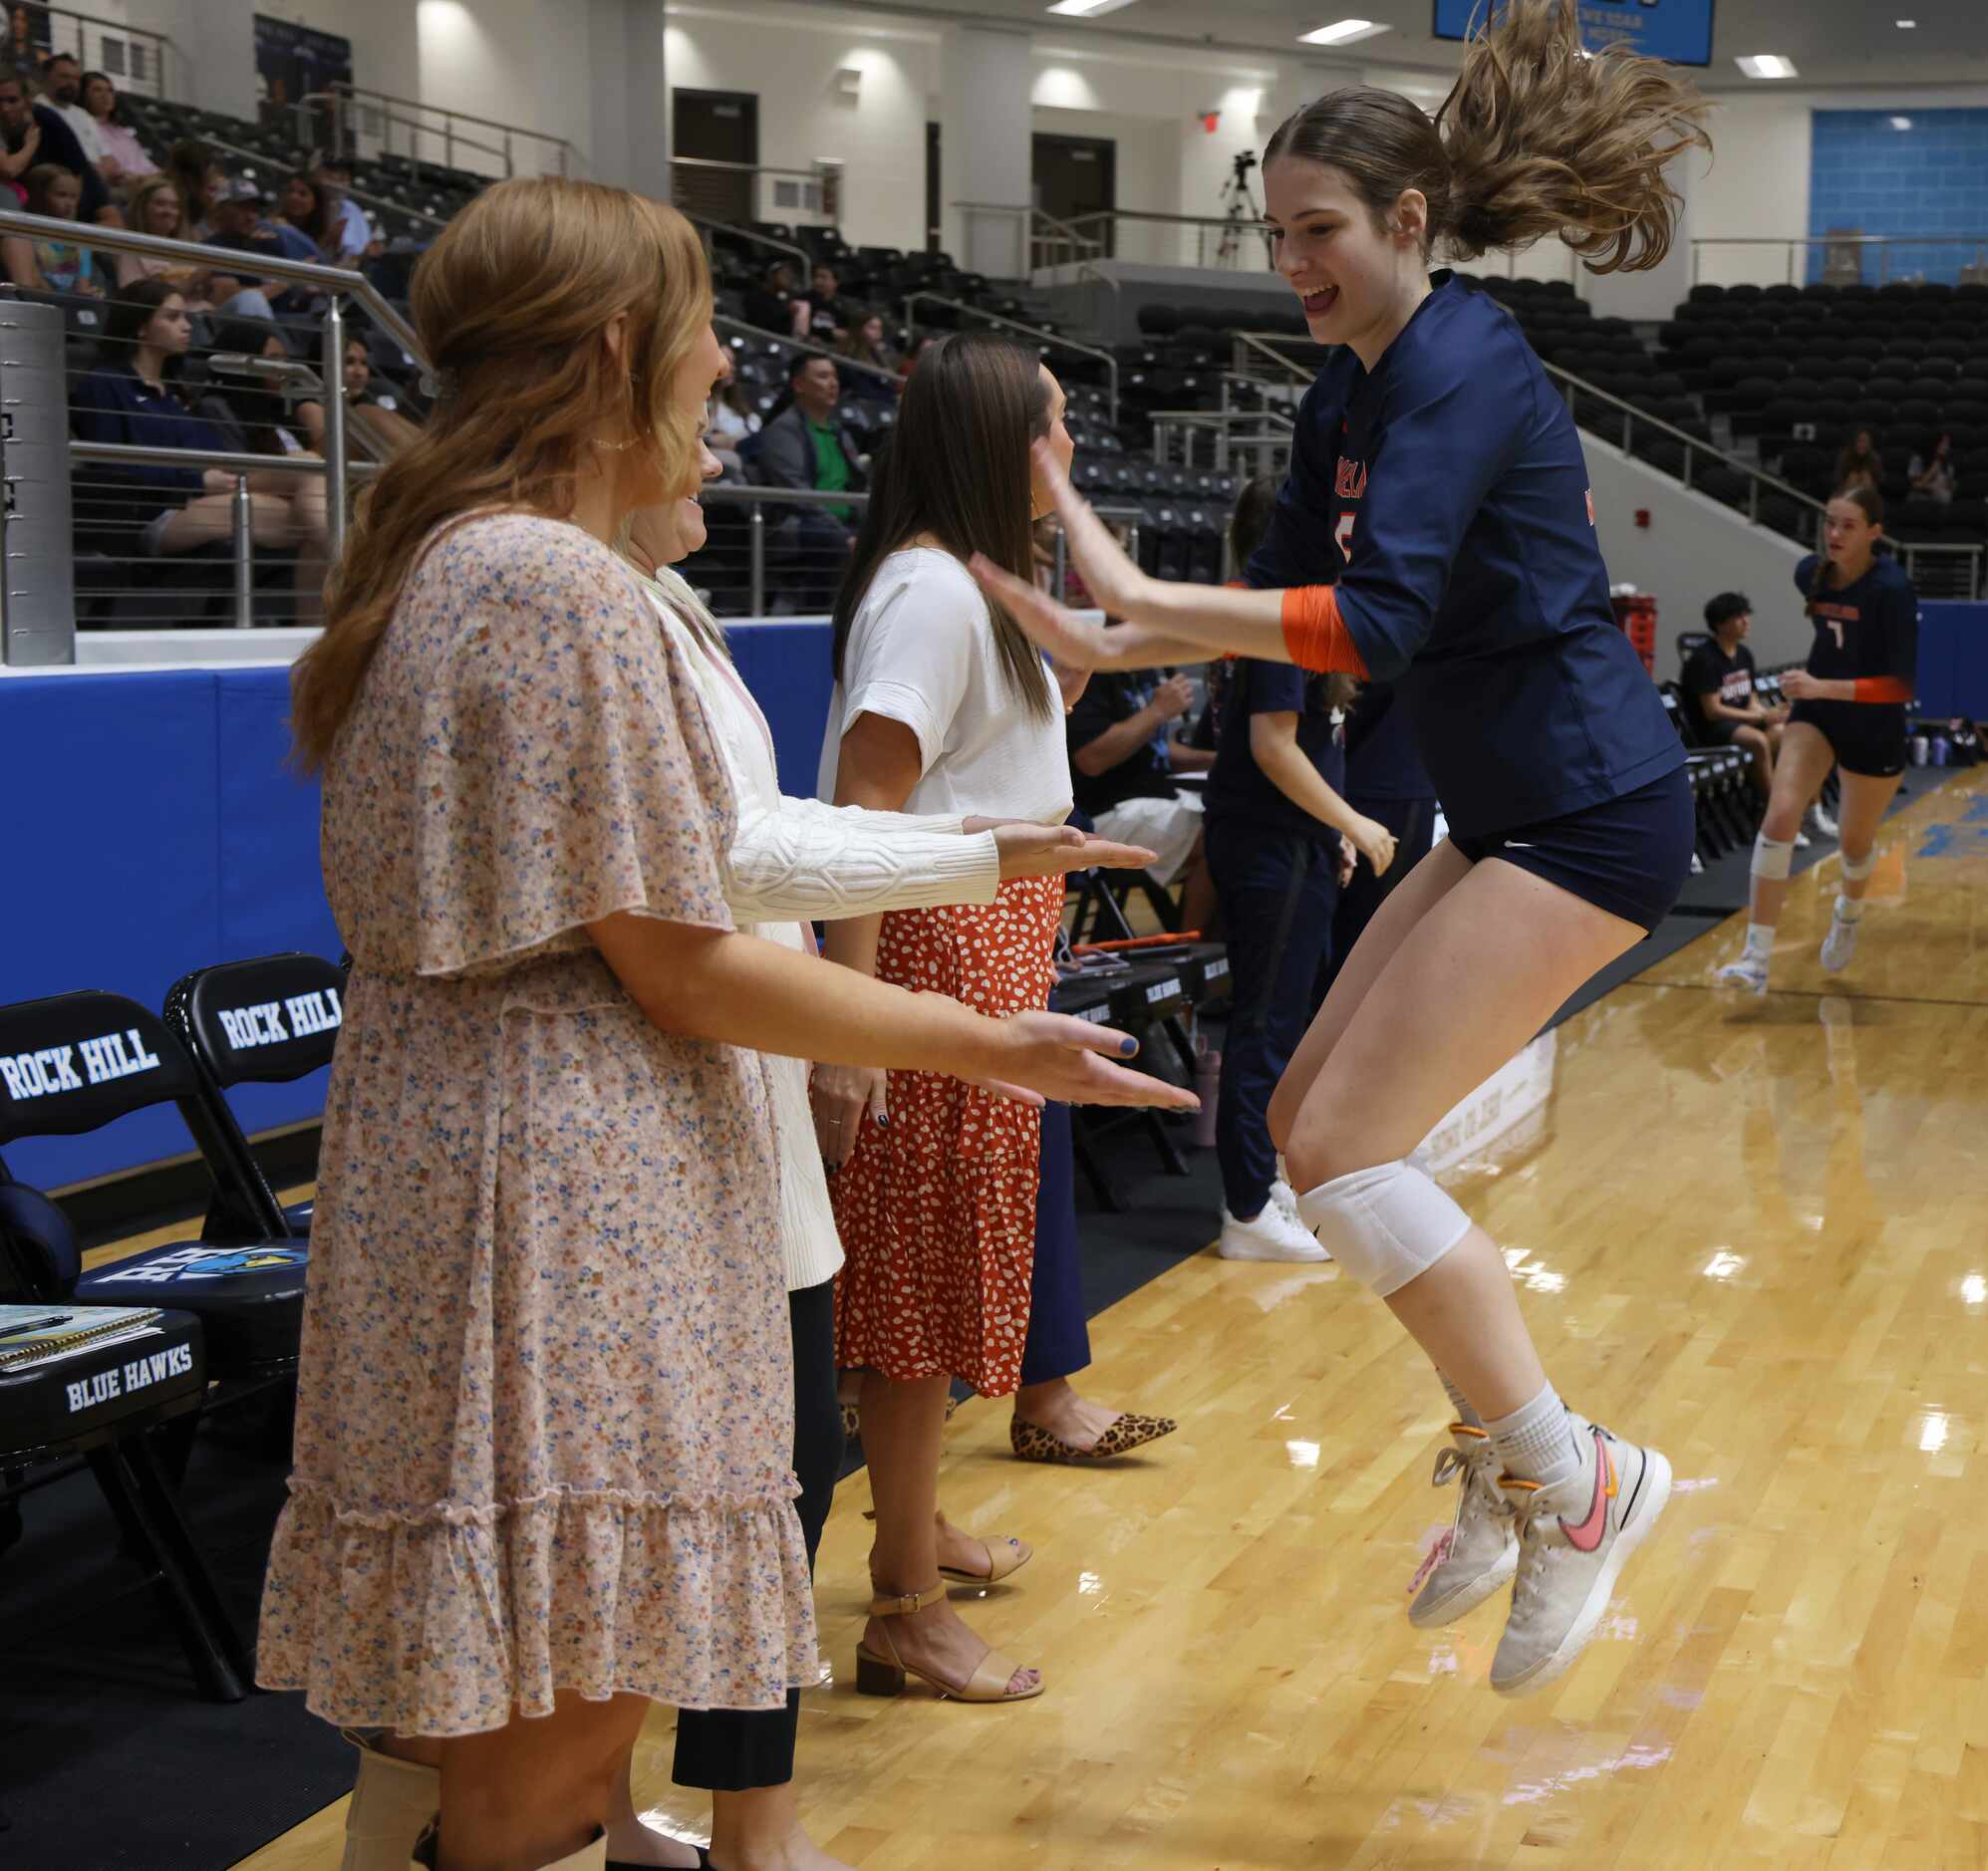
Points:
x=77, y=1062
x=264, y=1022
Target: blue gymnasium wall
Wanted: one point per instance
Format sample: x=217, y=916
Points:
x=1930, y=179
x=153, y=828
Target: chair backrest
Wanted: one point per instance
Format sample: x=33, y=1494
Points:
x=40, y=1257
x=75, y=1062
x=262, y=1022
x=265, y=1021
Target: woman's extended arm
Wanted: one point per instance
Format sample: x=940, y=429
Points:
x=718, y=984
x=1275, y=748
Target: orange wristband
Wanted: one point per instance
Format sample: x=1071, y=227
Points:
x=1881, y=688
x=1315, y=634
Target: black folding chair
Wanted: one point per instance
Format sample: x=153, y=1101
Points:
x=74, y=1063
x=263, y=1022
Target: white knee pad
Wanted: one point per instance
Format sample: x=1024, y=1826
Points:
x=1384, y=1225
x=1771, y=858
x=1857, y=868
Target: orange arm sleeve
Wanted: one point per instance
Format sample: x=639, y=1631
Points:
x=1316, y=635
x=1865, y=687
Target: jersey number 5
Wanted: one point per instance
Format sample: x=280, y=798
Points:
x=1342, y=535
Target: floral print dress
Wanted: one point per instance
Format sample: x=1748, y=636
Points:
x=545, y=1400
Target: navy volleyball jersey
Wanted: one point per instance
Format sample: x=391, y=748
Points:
x=1447, y=496
x=1869, y=628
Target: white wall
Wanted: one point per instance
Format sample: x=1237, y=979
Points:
x=211, y=61
x=1693, y=547
x=790, y=57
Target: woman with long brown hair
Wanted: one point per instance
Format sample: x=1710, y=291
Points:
x=543, y=1424
x=1436, y=530
x=940, y=704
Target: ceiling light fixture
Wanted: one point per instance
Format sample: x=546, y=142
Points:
x=1088, y=9
x=1767, y=65
x=1905, y=26
x=1342, y=33
x=1901, y=123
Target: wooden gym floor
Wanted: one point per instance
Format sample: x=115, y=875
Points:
x=1747, y=1231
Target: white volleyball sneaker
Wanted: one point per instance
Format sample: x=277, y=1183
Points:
x=1840, y=943
x=1574, y=1537
x=1480, y=1553
x=1274, y=1234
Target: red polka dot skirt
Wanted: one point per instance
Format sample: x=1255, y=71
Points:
x=936, y=1208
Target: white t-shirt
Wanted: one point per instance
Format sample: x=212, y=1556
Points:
x=922, y=651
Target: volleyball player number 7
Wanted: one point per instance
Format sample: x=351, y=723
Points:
x=1436, y=472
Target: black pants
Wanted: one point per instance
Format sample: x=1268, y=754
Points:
x=1413, y=823
x=729, y=1749
x=1276, y=892
x=1058, y=1343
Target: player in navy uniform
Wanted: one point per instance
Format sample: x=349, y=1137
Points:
x=1437, y=473
x=1850, y=710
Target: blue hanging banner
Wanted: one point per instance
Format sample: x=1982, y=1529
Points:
x=1677, y=30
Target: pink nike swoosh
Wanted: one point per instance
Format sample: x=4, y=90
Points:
x=1588, y=1535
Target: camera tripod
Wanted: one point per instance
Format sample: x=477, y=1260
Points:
x=1240, y=211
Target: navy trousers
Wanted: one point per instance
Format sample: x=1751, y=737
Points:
x=1276, y=891
x=1058, y=1342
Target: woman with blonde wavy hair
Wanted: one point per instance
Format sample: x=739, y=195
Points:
x=542, y=1464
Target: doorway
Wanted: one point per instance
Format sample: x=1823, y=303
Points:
x=1074, y=175
x=934, y=232
x=715, y=127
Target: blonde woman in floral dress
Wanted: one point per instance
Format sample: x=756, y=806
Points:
x=542, y=1456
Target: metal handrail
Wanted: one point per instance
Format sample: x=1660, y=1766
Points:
x=835, y=357
x=363, y=196
x=337, y=279
x=125, y=30
x=708, y=226
x=1226, y=426
x=1565, y=380
x=228, y=460
x=736, y=494
x=1882, y=242
x=1063, y=234
x=1265, y=344
x=341, y=92
x=1240, y=226
x=340, y=284
x=1041, y=337
x=745, y=168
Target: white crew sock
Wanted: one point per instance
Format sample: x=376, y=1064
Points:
x=1535, y=1441
x=1461, y=1404
x=1760, y=941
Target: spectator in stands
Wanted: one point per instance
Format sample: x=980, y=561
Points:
x=203, y=181
x=731, y=421
x=26, y=33
x=866, y=344
x=174, y=510
x=124, y=159
x=158, y=208
x=242, y=226
x=354, y=231
x=55, y=140
x=252, y=413
x=1931, y=470
x=1122, y=774
x=51, y=265
x=807, y=446
x=1719, y=678
x=371, y=405
x=773, y=306
x=61, y=89
x=309, y=210
x=1281, y=839
x=1860, y=464
x=830, y=316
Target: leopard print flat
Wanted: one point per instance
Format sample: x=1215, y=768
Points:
x=1033, y=1443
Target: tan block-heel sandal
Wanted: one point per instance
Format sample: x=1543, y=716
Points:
x=885, y=1674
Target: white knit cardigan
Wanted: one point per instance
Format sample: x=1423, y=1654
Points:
x=798, y=858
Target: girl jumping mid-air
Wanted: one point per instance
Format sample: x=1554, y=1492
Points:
x=1436, y=478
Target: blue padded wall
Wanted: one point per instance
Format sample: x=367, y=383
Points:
x=154, y=827
x=1932, y=179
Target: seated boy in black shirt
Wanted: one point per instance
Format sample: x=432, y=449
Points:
x=1719, y=678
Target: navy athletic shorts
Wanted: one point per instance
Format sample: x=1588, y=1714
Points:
x=1868, y=737
x=1629, y=856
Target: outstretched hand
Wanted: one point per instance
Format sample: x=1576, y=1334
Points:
x=1057, y=1055
x=1028, y=849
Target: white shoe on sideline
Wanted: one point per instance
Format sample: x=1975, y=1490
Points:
x=1747, y=973
x=1282, y=1196
x=1819, y=822
x=1802, y=841
x=1840, y=943
x=1274, y=1234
